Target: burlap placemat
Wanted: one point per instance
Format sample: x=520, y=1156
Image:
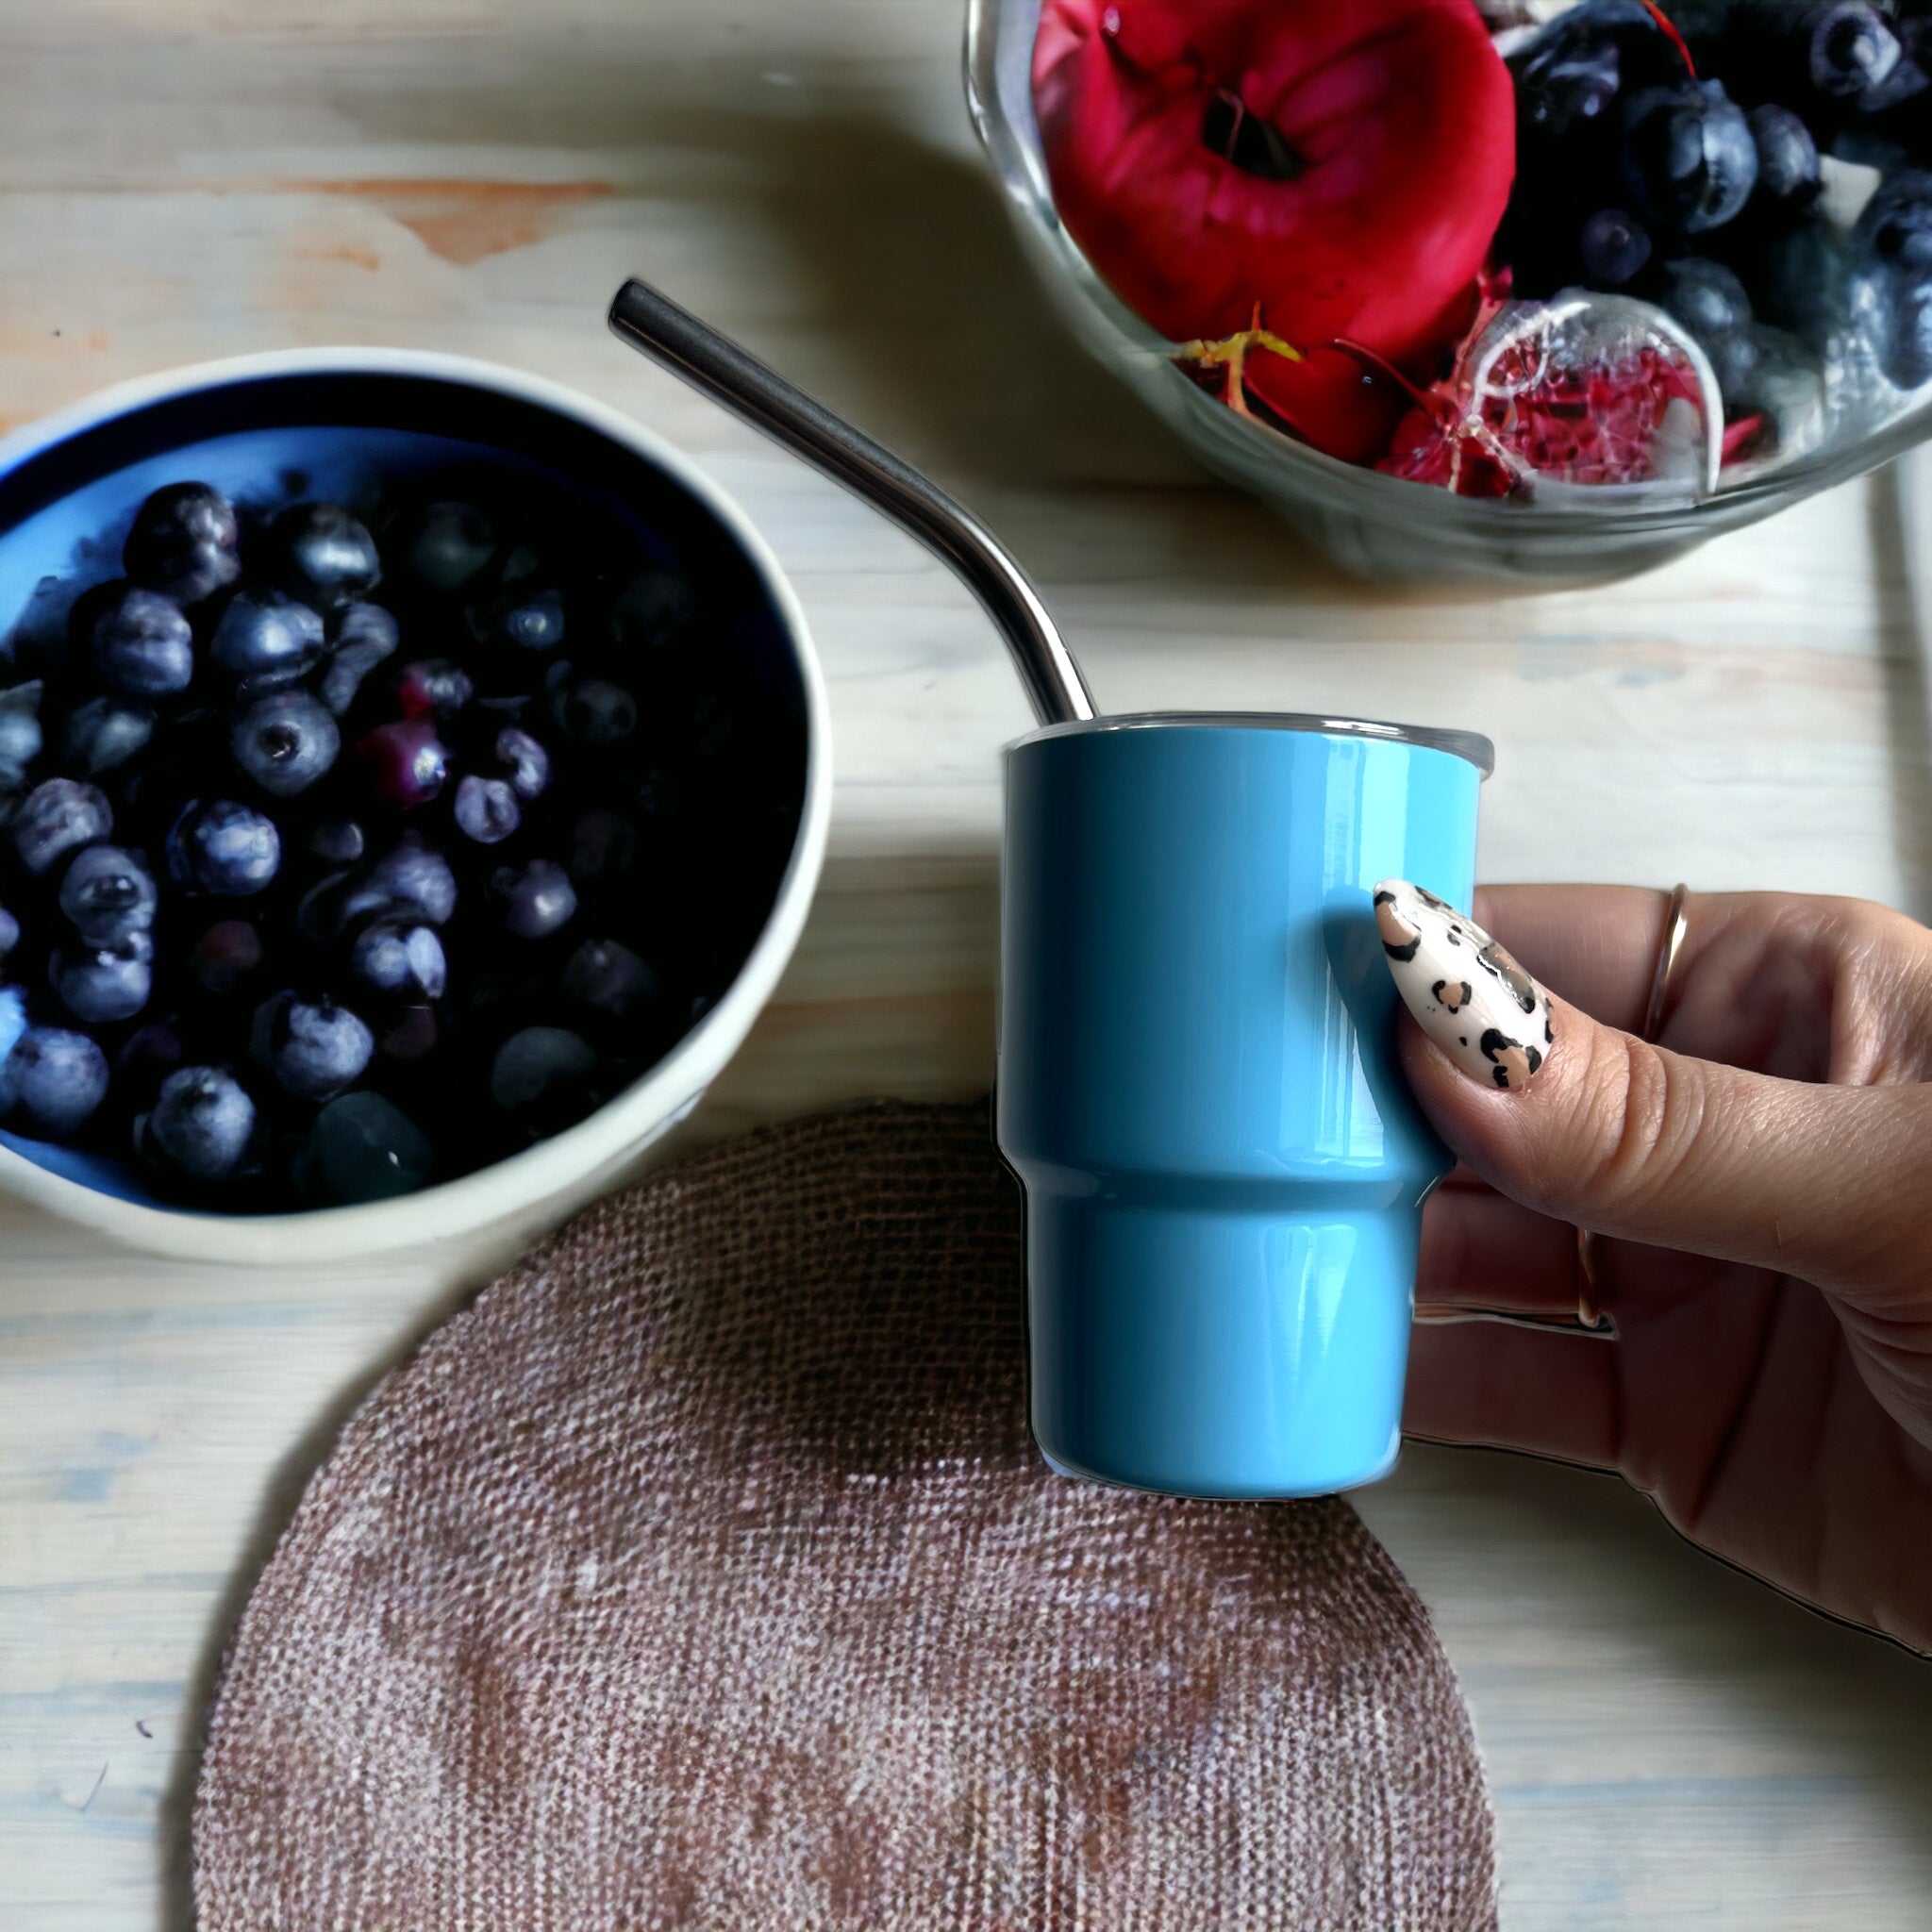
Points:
x=703, y=1573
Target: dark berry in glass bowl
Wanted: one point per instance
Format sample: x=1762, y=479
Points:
x=1891, y=255
x=1689, y=157
x=1613, y=248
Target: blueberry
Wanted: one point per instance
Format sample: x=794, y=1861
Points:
x=1787, y=156
x=537, y=900
x=337, y=842
x=324, y=556
x=107, y=894
x=143, y=647
x=593, y=711
x=226, y=955
x=318, y=914
x=1853, y=48
x=12, y=1024
x=404, y=963
x=1892, y=256
x=149, y=1055
x=524, y=762
x=57, y=817
x=1800, y=279
x=1706, y=297
x=651, y=609
x=602, y=846
x=285, y=743
x=608, y=977
x=314, y=1048
x=524, y=611
x=1568, y=75
x=411, y=1035
x=57, y=1079
x=186, y=542
x=362, y=1148
x=265, y=635
x=543, y=1074
x=20, y=732
x=487, y=810
x=105, y=984
x=1689, y=157
x=10, y=939
x=227, y=849
x=446, y=545
x=433, y=688
x=105, y=732
x=365, y=634
x=406, y=761
x=202, y=1125
x=412, y=882
x=1777, y=379
x=1612, y=247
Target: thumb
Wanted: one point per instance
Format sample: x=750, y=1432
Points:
x=1596, y=1127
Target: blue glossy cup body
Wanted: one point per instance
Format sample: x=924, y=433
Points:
x=1224, y=1169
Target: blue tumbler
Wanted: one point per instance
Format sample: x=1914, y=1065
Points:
x=1224, y=1169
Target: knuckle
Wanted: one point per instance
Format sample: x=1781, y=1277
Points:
x=1646, y=1108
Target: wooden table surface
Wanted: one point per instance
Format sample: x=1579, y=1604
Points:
x=1669, y=1745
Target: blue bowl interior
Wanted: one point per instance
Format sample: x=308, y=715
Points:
x=65, y=511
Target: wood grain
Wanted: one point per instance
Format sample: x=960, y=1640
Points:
x=187, y=178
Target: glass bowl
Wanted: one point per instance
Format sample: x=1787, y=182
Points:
x=1377, y=525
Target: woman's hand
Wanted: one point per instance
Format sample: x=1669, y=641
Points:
x=1761, y=1177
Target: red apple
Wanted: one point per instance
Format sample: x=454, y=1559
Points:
x=1338, y=167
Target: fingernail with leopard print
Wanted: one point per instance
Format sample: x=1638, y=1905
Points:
x=1466, y=993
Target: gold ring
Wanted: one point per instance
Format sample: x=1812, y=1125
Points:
x=1591, y=1312
x=1668, y=948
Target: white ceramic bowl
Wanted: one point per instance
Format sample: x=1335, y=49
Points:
x=69, y=475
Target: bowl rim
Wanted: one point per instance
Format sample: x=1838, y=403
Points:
x=522, y=1183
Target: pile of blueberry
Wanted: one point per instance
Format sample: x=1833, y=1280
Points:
x=332, y=867
x=1677, y=152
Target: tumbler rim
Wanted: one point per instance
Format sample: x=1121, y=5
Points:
x=1471, y=746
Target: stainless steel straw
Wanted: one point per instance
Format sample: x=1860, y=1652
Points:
x=708, y=360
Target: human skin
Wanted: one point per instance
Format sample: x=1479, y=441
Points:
x=1760, y=1181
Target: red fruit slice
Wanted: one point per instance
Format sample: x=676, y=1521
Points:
x=1588, y=391
x=1328, y=397
x=1376, y=142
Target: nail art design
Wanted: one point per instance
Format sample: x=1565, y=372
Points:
x=1466, y=993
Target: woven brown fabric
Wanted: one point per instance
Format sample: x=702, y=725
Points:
x=703, y=1573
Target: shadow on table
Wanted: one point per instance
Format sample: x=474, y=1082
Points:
x=1904, y=664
